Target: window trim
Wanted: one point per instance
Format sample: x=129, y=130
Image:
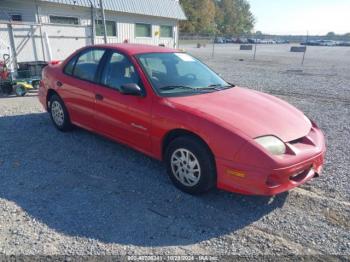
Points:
x=66, y=16
x=116, y=28
x=77, y=56
x=172, y=31
x=102, y=65
x=142, y=23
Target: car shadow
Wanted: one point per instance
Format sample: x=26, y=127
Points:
x=84, y=185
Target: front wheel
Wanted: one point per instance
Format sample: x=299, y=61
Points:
x=190, y=165
x=59, y=114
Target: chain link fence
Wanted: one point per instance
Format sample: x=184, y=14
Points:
x=248, y=45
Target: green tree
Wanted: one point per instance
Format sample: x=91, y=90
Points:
x=236, y=17
x=226, y=17
x=200, y=16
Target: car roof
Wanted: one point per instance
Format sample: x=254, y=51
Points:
x=134, y=49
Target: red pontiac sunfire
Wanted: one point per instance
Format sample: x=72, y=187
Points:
x=172, y=107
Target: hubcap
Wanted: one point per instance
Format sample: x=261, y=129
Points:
x=185, y=167
x=57, y=113
x=20, y=90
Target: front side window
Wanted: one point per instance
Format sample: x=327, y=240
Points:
x=166, y=31
x=174, y=74
x=143, y=30
x=110, y=28
x=87, y=64
x=119, y=71
x=66, y=20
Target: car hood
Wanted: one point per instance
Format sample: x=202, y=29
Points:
x=253, y=113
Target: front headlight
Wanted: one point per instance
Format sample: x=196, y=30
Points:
x=272, y=144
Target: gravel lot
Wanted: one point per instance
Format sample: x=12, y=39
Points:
x=81, y=194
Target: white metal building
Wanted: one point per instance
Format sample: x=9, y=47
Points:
x=35, y=30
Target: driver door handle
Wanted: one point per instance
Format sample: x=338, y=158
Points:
x=99, y=97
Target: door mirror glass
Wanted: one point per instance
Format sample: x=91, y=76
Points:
x=131, y=89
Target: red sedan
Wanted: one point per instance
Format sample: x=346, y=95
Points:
x=172, y=107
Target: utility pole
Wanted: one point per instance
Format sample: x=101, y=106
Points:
x=103, y=22
x=215, y=32
x=255, y=44
x=213, y=50
x=40, y=29
x=13, y=46
x=307, y=40
x=92, y=23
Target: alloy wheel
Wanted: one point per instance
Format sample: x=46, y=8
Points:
x=57, y=113
x=185, y=166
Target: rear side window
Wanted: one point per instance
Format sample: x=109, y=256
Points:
x=87, y=64
x=68, y=69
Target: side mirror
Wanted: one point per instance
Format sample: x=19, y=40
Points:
x=131, y=89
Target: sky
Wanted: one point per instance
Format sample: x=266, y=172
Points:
x=296, y=17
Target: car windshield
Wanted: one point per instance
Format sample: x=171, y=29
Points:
x=174, y=74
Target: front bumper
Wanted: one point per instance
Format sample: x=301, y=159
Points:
x=286, y=175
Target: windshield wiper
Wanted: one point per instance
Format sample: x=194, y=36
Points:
x=213, y=87
x=177, y=87
x=217, y=87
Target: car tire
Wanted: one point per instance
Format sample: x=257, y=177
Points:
x=20, y=90
x=190, y=165
x=59, y=114
x=36, y=84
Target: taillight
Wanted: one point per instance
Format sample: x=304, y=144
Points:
x=54, y=62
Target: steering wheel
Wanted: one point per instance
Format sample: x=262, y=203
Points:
x=190, y=76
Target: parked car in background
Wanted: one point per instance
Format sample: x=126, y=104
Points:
x=170, y=106
x=252, y=40
x=241, y=40
x=344, y=43
x=310, y=43
x=320, y=43
x=229, y=40
x=328, y=43
x=220, y=40
x=282, y=41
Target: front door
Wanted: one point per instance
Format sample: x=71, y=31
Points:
x=123, y=117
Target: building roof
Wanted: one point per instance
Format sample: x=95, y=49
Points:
x=161, y=8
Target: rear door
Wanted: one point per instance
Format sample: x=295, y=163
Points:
x=78, y=85
x=123, y=117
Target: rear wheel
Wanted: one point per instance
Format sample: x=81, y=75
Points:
x=59, y=114
x=36, y=84
x=190, y=165
x=20, y=90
